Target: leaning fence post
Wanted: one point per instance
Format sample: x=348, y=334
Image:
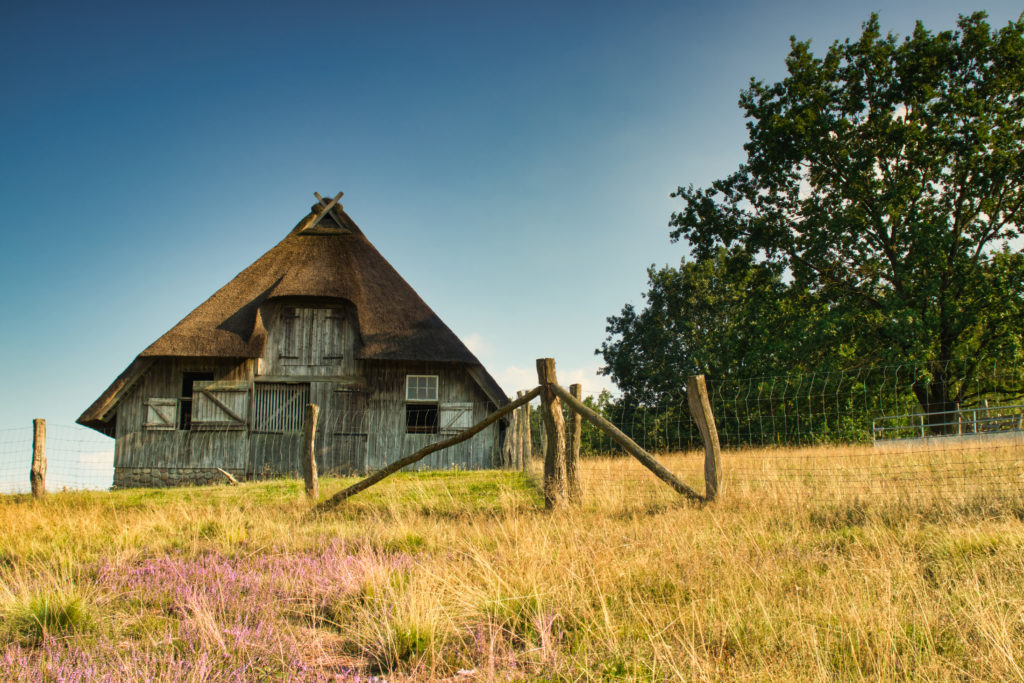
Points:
x=554, y=428
x=309, y=451
x=700, y=409
x=572, y=451
x=37, y=476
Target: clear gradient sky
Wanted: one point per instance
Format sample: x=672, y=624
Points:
x=513, y=161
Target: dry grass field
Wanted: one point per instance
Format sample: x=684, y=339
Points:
x=462, y=576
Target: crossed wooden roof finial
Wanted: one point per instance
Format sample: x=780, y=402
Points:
x=327, y=207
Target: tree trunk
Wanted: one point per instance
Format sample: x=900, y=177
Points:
x=939, y=407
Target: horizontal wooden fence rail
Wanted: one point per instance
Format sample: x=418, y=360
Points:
x=628, y=444
x=369, y=481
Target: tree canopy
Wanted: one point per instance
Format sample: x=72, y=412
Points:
x=884, y=187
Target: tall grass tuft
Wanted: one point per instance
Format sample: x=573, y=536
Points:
x=47, y=615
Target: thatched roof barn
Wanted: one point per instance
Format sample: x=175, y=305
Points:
x=321, y=317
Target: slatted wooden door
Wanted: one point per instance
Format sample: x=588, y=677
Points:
x=276, y=437
x=347, y=452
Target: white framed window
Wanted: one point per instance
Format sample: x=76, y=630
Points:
x=421, y=388
x=421, y=416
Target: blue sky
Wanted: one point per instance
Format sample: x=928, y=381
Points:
x=513, y=161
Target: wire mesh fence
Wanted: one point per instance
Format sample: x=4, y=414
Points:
x=77, y=458
x=906, y=433
x=185, y=443
x=901, y=433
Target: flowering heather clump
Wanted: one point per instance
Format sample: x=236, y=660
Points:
x=210, y=617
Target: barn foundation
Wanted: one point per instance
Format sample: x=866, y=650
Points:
x=162, y=477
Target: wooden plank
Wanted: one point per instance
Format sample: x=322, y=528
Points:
x=572, y=452
x=424, y=452
x=37, y=475
x=231, y=480
x=554, y=427
x=628, y=444
x=700, y=409
x=309, y=452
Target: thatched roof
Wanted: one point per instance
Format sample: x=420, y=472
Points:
x=322, y=257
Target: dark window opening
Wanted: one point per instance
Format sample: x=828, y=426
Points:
x=421, y=418
x=185, y=400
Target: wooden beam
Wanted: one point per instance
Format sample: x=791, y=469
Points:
x=369, y=481
x=37, y=476
x=231, y=479
x=554, y=427
x=628, y=444
x=574, y=434
x=700, y=410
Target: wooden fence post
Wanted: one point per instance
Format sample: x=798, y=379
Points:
x=517, y=435
x=309, y=451
x=700, y=409
x=527, y=436
x=572, y=451
x=37, y=476
x=507, y=454
x=554, y=428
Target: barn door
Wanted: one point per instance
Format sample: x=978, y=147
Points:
x=220, y=404
x=349, y=435
x=294, y=336
x=328, y=344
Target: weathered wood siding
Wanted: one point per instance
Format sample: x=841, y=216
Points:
x=362, y=422
x=138, y=446
x=309, y=339
x=388, y=439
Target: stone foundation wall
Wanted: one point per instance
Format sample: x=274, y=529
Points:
x=161, y=477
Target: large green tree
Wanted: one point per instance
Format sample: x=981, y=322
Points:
x=886, y=178
x=716, y=315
